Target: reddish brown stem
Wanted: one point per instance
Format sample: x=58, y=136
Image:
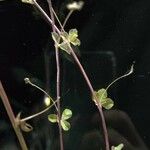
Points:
x=58, y=78
x=84, y=75
x=12, y=118
x=93, y=95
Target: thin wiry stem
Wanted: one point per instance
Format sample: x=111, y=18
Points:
x=39, y=113
x=27, y=80
x=68, y=16
x=57, y=19
x=58, y=78
x=12, y=118
x=84, y=75
x=123, y=76
x=58, y=97
x=66, y=19
x=105, y=132
x=46, y=16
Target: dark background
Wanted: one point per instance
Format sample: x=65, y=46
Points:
x=113, y=34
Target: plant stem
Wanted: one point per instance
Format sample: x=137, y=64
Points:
x=37, y=114
x=58, y=78
x=46, y=16
x=68, y=16
x=58, y=97
x=12, y=118
x=34, y=85
x=84, y=75
x=92, y=94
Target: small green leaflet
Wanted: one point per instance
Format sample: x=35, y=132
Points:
x=55, y=37
x=52, y=118
x=64, y=40
x=66, y=114
x=119, y=147
x=61, y=41
x=106, y=102
x=65, y=125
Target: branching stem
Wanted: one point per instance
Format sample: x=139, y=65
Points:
x=27, y=80
x=83, y=73
x=93, y=95
x=37, y=114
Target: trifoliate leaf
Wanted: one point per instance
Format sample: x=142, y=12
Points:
x=101, y=98
x=55, y=37
x=52, y=118
x=107, y=103
x=64, y=39
x=119, y=147
x=67, y=113
x=65, y=125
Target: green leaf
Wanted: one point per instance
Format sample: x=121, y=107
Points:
x=67, y=113
x=52, y=118
x=76, y=42
x=107, y=103
x=65, y=125
x=73, y=34
x=55, y=37
x=119, y=147
x=102, y=93
x=64, y=46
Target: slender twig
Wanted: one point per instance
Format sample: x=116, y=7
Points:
x=46, y=16
x=12, y=118
x=66, y=19
x=84, y=75
x=58, y=97
x=27, y=81
x=93, y=95
x=47, y=67
x=39, y=113
x=68, y=16
x=58, y=78
x=57, y=19
x=123, y=76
